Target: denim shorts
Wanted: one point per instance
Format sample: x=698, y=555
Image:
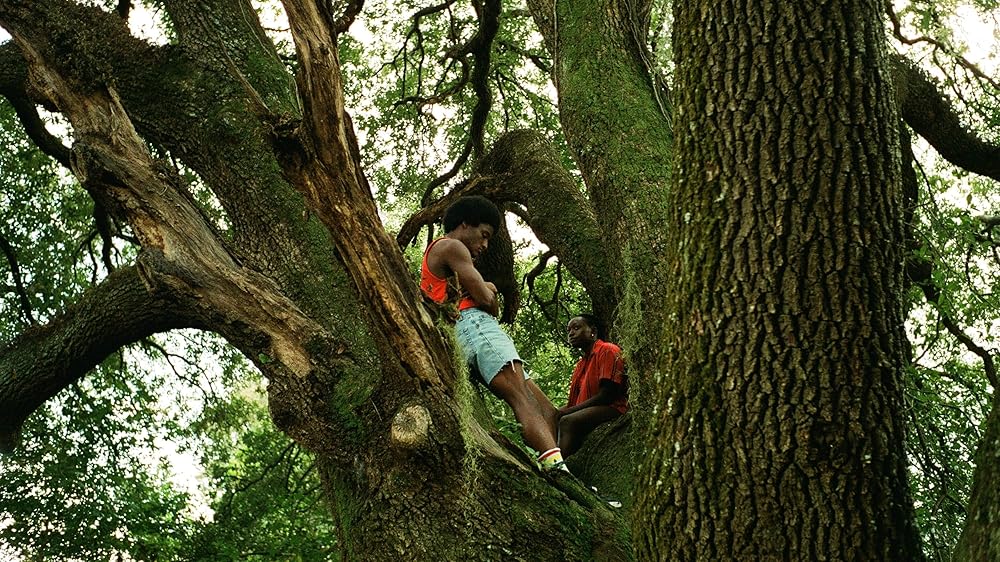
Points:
x=484, y=345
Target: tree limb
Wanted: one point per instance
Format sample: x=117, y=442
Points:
x=347, y=18
x=928, y=112
x=324, y=165
x=523, y=167
x=938, y=45
x=920, y=270
x=13, y=86
x=529, y=279
x=526, y=169
x=182, y=251
x=480, y=46
x=123, y=8
x=45, y=359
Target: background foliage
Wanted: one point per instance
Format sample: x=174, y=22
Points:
x=166, y=452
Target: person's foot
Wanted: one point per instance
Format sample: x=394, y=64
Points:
x=560, y=465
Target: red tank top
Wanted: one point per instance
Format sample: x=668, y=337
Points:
x=442, y=290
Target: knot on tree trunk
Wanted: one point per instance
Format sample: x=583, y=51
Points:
x=410, y=427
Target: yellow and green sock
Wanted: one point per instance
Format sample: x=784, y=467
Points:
x=552, y=459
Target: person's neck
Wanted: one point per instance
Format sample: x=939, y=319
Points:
x=589, y=347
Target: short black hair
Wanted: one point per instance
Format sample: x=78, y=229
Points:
x=593, y=322
x=473, y=210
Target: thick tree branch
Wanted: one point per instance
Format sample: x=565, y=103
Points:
x=325, y=168
x=928, y=112
x=45, y=359
x=526, y=169
x=186, y=100
x=123, y=8
x=181, y=250
x=347, y=18
x=481, y=47
x=623, y=146
x=13, y=86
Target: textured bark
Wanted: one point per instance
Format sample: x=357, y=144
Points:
x=779, y=434
x=375, y=395
x=607, y=460
x=44, y=360
x=925, y=108
x=622, y=144
x=599, y=46
x=980, y=538
x=779, y=431
x=525, y=168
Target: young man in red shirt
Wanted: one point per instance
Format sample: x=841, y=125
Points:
x=447, y=275
x=598, y=391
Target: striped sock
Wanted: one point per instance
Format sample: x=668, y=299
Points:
x=552, y=459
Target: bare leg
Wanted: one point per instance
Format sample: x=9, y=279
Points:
x=509, y=384
x=574, y=428
x=549, y=411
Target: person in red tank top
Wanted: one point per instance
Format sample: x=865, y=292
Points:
x=447, y=275
x=598, y=390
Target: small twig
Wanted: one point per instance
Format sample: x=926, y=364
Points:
x=245, y=484
x=15, y=271
x=503, y=97
x=350, y=13
x=529, y=280
x=962, y=61
x=527, y=93
x=103, y=223
x=537, y=59
x=149, y=342
x=480, y=47
x=923, y=278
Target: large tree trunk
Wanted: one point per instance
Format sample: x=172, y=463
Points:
x=616, y=116
x=980, y=538
x=779, y=432
x=376, y=396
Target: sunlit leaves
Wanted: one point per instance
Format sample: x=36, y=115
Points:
x=402, y=79
x=947, y=393
x=48, y=222
x=86, y=484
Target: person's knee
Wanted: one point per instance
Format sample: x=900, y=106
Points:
x=512, y=392
x=566, y=425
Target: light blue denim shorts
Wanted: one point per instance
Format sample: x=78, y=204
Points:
x=484, y=345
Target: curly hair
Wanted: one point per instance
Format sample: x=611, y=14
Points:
x=473, y=210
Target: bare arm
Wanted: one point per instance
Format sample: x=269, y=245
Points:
x=456, y=257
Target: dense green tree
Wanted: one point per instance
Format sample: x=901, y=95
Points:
x=749, y=201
